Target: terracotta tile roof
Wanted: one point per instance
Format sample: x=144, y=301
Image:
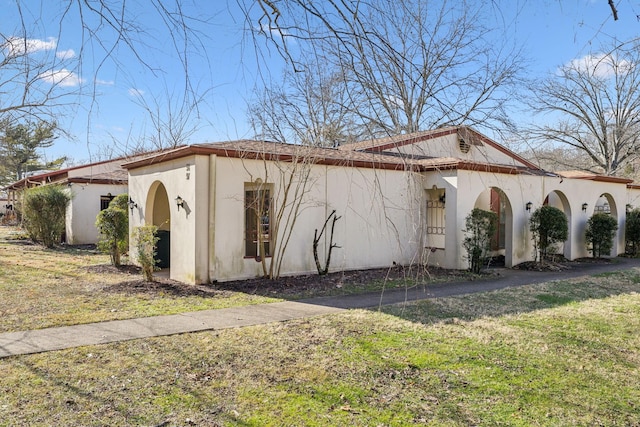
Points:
x=117, y=175
x=379, y=144
x=266, y=150
x=470, y=135
x=577, y=174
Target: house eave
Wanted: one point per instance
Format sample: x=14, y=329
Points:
x=378, y=162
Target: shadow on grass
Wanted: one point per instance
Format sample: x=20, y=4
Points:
x=520, y=299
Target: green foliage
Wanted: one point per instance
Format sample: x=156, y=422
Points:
x=601, y=229
x=548, y=226
x=43, y=213
x=480, y=228
x=19, y=145
x=145, y=238
x=632, y=230
x=113, y=225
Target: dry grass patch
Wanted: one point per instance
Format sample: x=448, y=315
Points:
x=42, y=288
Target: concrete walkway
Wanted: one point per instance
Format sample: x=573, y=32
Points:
x=50, y=339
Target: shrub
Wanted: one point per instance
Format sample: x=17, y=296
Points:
x=43, y=213
x=480, y=228
x=145, y=239
x=113, y=225
x=549, y=226
x=601, y=229
x=632, y=231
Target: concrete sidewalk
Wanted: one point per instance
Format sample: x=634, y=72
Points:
x=37, y=341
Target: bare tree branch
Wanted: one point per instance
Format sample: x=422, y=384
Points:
x=597, y=105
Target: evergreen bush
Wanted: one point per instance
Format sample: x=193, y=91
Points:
x=113, y=225
x=601, y=230
x=548, y=226
x=480, y=227
x=632, y=231
x=43, y=213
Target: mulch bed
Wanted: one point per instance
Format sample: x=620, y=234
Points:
x=312, y=284
x=559, y=265
x=283, y=286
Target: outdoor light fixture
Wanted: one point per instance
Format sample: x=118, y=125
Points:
x=528, y=206
x=179, y=203
x=584, y=207
x=443, y=198
x=132, y=204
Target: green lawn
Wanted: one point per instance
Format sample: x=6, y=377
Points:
x=563, y=353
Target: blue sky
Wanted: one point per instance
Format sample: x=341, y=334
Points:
x=552, y=32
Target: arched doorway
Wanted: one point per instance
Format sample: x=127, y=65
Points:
x=158, y=213
x=607, y=204
x=559, y=200
x=495, y=200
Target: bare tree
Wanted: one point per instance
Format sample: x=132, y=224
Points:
x=277, y=197
x=406, y=65
x=39, y=78
x=33, y=80
x=306, y=108
x=594, y=104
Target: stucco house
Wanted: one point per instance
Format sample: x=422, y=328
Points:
x=91, y=187
x=227, y=207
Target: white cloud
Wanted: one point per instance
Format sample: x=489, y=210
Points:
x=105, y=82
x=275, y=31
x=62, y=77
x=135, y=92
x=601, y=65
x=16, y=46
x=66, y=54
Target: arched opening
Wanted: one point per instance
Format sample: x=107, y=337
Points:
x=558, y=199
x=495, y=200
x=606, y=204
x=158, y=213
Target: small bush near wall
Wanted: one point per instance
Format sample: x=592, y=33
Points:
x=113, y=225
x=548, y=226
x=601, y=230
x=145, y=239
x=43, y=213
x=632, y=232
x=480, y=228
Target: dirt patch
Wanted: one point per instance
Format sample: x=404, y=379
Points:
x=354, y=281
x=559, y=265
x=111, y=269
x=291, y=286
x=162, y=286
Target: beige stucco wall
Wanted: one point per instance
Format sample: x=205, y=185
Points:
x=188, y=178
x=382, y=214
x=84, y=208
x=379, y=213
x=468, y=189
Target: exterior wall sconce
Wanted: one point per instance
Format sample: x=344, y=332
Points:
x=584, y=207
x=528, y=206
x=132, y=204
x=442, y=198
x=179, y=203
